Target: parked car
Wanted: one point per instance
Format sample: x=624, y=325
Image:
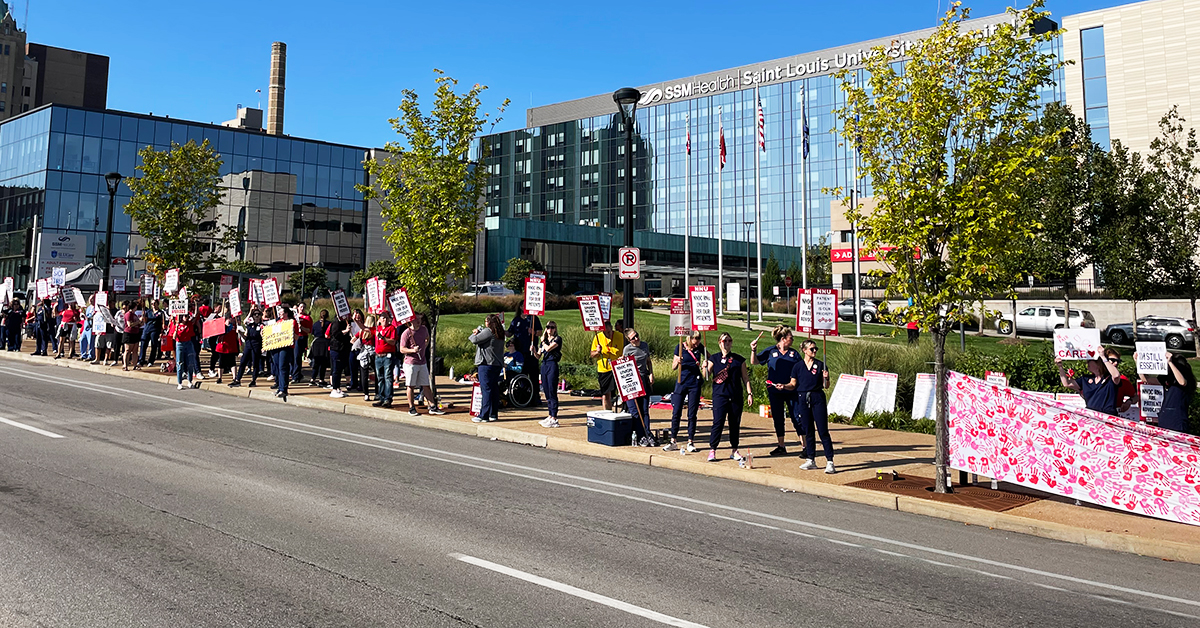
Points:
x=1176, y=332
x=1044, y=319
x=489, y=290
x=870, y=310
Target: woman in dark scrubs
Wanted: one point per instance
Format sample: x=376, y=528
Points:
x=780, y=359
x=1179, y=386
x=1098, y=388
x=809, y=379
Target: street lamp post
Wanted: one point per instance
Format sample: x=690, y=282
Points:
x=627, y=100
x=113, y=179
x=748, y=224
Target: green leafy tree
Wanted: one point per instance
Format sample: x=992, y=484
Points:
x=772, y=273
x=794, y=272
x=945, y=141
x=1062, y=198
x=308, y=281
x=382, y=268
x=518, y=269
x=820, y=265
x=430, y=190
x=1125, y=246
x=240, y=266
x=1174, y=162
x=172, y=208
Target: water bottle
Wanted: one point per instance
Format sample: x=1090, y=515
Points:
x=452, y=373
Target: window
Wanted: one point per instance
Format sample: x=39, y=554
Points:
x=1044, y=311
x=1028, y=312
x=27, y=91
x=1095, y=84
x=1, y=105
x=3, y=88
x=6, y=51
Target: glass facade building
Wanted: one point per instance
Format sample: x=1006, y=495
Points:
x=53, y=161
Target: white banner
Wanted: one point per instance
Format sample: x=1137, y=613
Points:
x=881, y=391
x=629, y=380
x=846, y=395
x=1152, y=358
x=703, y=301
x=1078, y=343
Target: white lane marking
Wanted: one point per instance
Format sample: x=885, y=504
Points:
x=883, y=551
x=621, y=490
x=577, y=592
x=30, y=428
x=846, y=543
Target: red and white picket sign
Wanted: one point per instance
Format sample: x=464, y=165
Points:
x=703, y=301
x=402, y=308
x=340, y=304
x=235, y=301
x=382, y=303
x=535, y=295
x=171, y=285
x=629, y=379
x=606, y=305
x=372, y=294
x=102, y=299
x=825, y=316
x=270, y=288
x=590, y=314
x=476, y=399
x=804, y=311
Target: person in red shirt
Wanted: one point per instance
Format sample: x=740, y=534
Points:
x=227, y=346
x=386, y=355
x=68, y=331
x=301, y=347
x=281, y=358
x=181, y=332
x=1127, y=392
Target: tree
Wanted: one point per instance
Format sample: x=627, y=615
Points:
x=307, y=282
x=430, y=192
x=382, y=268
x=794, y=272
x=172, y=205
x=820, y=265
x=240, y=266
x=518, y=269
x=1175, y=167
x=1061, y=199
x=945, y=140
x=1125, y=246
x=772, y=274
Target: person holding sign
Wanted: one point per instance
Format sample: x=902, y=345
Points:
x=522, y=330
x=688, y=360
x=386, y=337
x=549, y=349
x=729, y=375
x=339, y=352
x=640, y=408
x=809, y=379
x=251, y=333
x=780, y=360
x=68, y=332
x=181, y=332
x=1179, y=387
x=489, y=362
x=606, y=347
x=1126, y=389
x=281, y=358
x=1099, y=388
x=414, y=346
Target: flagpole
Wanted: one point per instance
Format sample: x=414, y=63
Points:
x=758, y=151
x=804, y=188
x=720, y=217
x=687, y=202
x=854, y=238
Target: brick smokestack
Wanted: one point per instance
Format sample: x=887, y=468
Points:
x=275, y=93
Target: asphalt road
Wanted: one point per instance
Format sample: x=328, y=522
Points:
x=165, y=508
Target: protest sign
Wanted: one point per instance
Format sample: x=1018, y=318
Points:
x=804, y=311
x=589, y=313
x=279, y=335
x=107, y=316
x=146, y=287
x=78, y=296
x=995, y=377
x=881, y=391
x=629, y=380
x=43, y=290
x=846, y=394
x=270, y=288
x=340, y=305
x=681, y=317
x=171, y=285
x=1078, y=343
x=925, y=397
x=402, y=308
x=703, y=302
x=235, y=301
x=183, y=294
x=6, y=295
x=371, y=295
x=1152, y=358
x=214, y=327
x=58, y=276
x=102, y=299
x=118, y=285
x=1070, y=399
x=177, y=307
x=1151, y=396
x=226, y=285
x=381, y=302
x=99, y=326
x=606, y=305
x=476, y=399
x=535, y=295
x=825, y=316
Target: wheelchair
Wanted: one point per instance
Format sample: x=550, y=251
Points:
x=517, y=387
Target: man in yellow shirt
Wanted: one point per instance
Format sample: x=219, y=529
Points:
x=607, y=346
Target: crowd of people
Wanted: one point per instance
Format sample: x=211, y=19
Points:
x=1105, y=389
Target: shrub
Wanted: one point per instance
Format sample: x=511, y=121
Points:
x=900, y=420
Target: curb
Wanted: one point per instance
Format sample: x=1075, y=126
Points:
x=1167, y=550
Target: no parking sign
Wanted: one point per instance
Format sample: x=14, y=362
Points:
x=629, y=260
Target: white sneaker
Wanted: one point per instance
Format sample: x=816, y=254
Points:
x=808, y=465
x=552, y=423
x=671, y=446
x=829, y=468
x=212, y=373
x=337, y=394
x=199, y=376
x=544, y=422
x=691, y=449
x=737, y=455
x=181, y=387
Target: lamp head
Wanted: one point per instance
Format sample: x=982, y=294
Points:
x=113, y=179
x=627, y=100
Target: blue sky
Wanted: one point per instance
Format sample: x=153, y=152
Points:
x=348, y=61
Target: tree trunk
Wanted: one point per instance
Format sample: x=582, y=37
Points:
x=942, y=449
x=1193, y=300
x=1135, y=325
x=1014, y=329
x=1067, y=300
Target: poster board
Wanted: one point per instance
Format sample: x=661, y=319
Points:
x=995, y=378
x=102, y=299
x=1152, y=358
x=402, y=309
x=341, y=305
x=606, y=305
x=226, y=285
x=255, y=295
x=212, y=328
x=279, y=335
x=703, y=302
x=235, y=301
x=118, y=285
x=177, y=307
x=846, y=394
x=171, y=284
x=733, y=297
x=535, y=295
x=68, y=296
x=146, y=285
x=681, y=317
x=590, y=314
x=881, y=391
x=371, y=294
x=1071, y=400
x=43, y=290
x=99, y=326
x=1150, y=398
x=476, y=399
x=825, y=317
x=804, y=311
x=381, y=289
x=58, y=276
x=629, y=380
x=925, y=396
x=270, y=288
x=1078, y=343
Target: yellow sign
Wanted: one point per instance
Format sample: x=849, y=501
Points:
x=279, y=335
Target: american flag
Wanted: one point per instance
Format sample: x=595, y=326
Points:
x=762, y=131
x=688, y=143
x=804, y=118
x=721, y=134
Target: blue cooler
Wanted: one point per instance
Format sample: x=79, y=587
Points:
x=614, y=429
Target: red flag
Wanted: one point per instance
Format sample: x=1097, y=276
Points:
x=762, y=131
x=722, y=136
x=688, y=144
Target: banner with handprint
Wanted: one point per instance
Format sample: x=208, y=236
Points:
x=1013, y=436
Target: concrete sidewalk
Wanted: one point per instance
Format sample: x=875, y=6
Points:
x=859, y=453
